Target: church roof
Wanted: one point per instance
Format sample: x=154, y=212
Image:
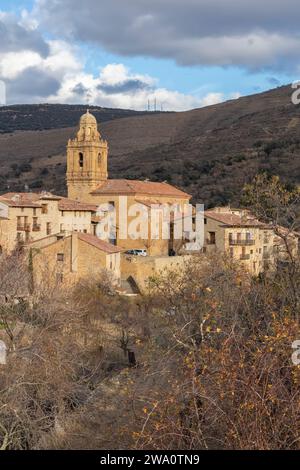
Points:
x=123, y=186
x=88, y=119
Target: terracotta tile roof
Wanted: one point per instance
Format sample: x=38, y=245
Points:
x=66, y=204
x=122, y=186
x=18, y=200
x=35, y=200
x=26, y=197
x=230, y=219
x=147, y=202
x=97, y=243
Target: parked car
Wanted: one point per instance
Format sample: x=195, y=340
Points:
x=137, y=252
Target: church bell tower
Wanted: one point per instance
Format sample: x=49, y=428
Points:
x=86, y=160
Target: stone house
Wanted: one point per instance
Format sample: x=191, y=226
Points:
x=244, y=238
x=66, y=259
x=32, y=216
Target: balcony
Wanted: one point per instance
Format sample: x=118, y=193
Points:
x=245, y=257
x=23, y=228
x=241, y=242
x=36, y=228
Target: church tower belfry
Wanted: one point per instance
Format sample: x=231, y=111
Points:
x=86, y=159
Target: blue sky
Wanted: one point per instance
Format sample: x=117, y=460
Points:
x=120, y=63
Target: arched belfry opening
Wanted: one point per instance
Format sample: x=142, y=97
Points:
x=81, y=158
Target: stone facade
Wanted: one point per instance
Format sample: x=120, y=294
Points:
x=30, y=216
x=86, y=159
x=136, y=270
x=63, y=233
x=244, y=238
x=68, y=259
x=87, y=181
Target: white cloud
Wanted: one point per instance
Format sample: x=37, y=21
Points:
x=235, y=95
x=111, y=89
x=13, y=64
x=212, y=98
x=28, y=21
x=255, y=34
x=59, y=75
x=63, y=58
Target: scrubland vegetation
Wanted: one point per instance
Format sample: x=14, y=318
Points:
x=212, y=365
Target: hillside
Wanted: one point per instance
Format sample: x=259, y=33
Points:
x=31, y=117
x=210, y=152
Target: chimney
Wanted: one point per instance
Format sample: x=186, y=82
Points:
x=74, y=252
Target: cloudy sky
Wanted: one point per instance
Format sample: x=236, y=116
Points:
x=122, y=53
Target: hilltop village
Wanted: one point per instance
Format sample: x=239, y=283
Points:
x=61, y=234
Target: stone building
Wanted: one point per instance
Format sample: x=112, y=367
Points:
x=30, y=216
x=87, y=181
x=244, y=238
x=69, y=258
x=63, y=232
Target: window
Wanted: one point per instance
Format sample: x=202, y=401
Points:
x=111, y=206
x=60, y=257
x=48, y=228
x=34, y=211
x=205, y=221
x=99, y=159
x=44, y=208
x=81, y=160
x=211, y=238
x=231, y=252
